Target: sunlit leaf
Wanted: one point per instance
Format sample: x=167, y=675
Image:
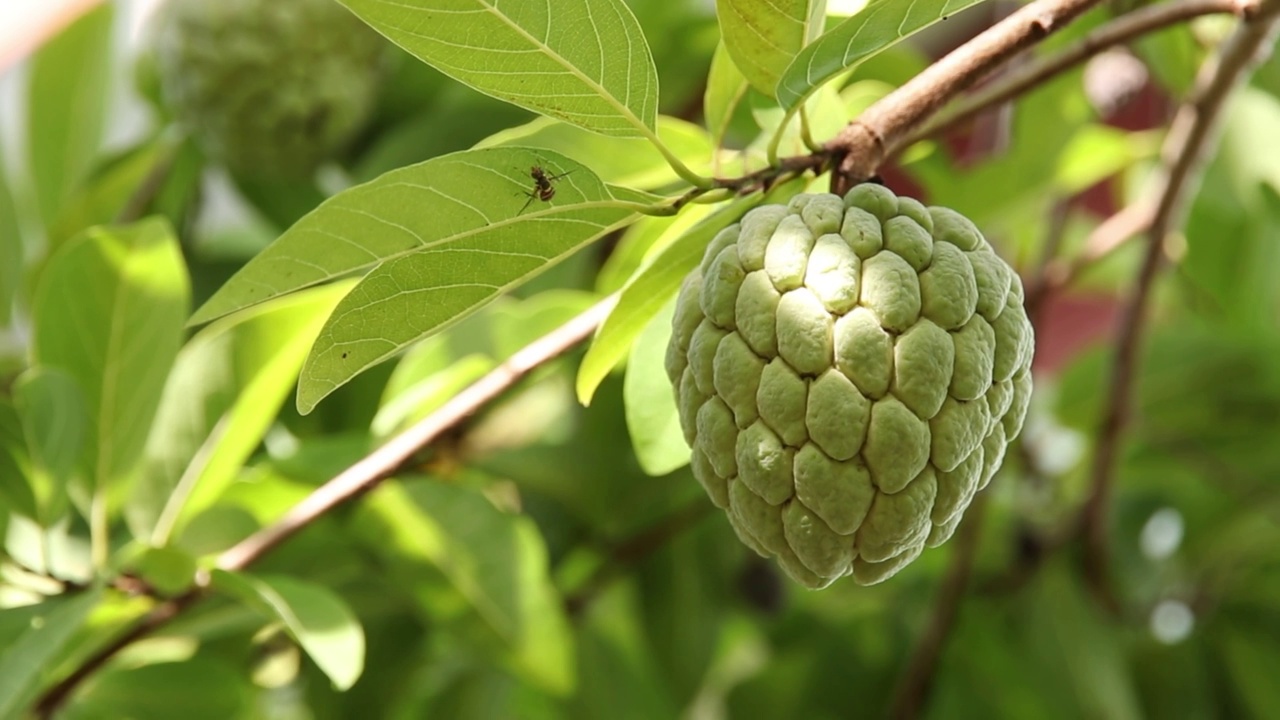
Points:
x=26, y=660
x=586, y=63
x=495, y=560
x=646, y=293
x=66, y=106
x=11, y=247
x=226, y=388
x=879, y=24
x=651, y=408
x=623, y=161
x=109, y=312
x=763, y=36
x=726, y=87
x=315, y=616
x=485, y=249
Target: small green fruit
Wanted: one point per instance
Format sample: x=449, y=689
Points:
x=848, y=374
x=271, y=88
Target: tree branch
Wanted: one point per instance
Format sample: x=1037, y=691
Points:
x=912, y=692
x=392, y=457
x=885, y=127
x=1190, y=137
x=1123, y=29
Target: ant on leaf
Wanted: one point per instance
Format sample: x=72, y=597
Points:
x=542, y=188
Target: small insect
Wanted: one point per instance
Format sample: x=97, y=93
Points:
x=542, y=188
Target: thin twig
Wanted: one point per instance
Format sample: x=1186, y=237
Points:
x=912, y=692
x=883, y=128
x=1190, y=138
x=634, y=549
x=392, y=457
x=1019, y=80
x=159, y=616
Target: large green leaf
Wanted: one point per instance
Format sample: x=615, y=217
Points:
x=55, y=421
x=623, y=161
x=880, y=24
x=587, y=63
x=224, y=392
x=461, y=205
x=434, y=283
x=763, y=36
x=651, y=407
x=497, y=561
x=11, y=247
x=646, y=293
x=66, y=107
x=109, y=312
x=201, y=688
x=726, y=87
x=315, y=616
x=26, y=659
x=16, y=493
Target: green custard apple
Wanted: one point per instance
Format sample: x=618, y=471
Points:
x=271, y=88
x=848, y=374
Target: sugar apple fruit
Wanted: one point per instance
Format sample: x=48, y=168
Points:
x=848, y=374
x=271, y=88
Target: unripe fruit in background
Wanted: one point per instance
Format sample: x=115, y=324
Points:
x=848, y=374
x=271, y=88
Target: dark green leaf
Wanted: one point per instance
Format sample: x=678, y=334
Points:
x=27, y=659
x=202, y=688
x=725, y=89
x=495, y=560
x=56, y=421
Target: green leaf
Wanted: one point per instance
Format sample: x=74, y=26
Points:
x=315, y=616
x=726, y=87
x=109, y=311
x=201, y=688
x=55, y=420
x=495, y=560
x=226, y=388
x=26, y=660
x=763, y=36
x=453, y=255
x=168, y=570
x=102, y=195
x=11, y=250
x=622, y=161
x=16, y=494
x=646, y=293
x=588, y=64
x=651, y=406
x=1248, y=657
x=66, y=107
x=454, y=204
x=880, y=24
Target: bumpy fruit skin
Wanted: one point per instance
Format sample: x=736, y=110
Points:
x=848, y=374
x=271, y=88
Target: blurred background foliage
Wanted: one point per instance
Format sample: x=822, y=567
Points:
x=529, y=568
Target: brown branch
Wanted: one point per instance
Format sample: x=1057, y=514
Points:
x=634, y=549
x=912, y=692
x=393, y=456
x=1019, y=80
x=885, y=126
x=159, y=616
x=1190, y=137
